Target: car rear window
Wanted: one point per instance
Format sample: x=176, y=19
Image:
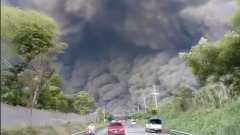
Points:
x=155, y=121
x=116, y=124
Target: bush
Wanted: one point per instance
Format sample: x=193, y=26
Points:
x=46, y=130
x=12, y=90
x=212, y=96
x=183, y=99
x=151, y=110
x=109, y=116
x=232, y=129
x=140, y=115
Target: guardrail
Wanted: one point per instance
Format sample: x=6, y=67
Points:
x=174, y=132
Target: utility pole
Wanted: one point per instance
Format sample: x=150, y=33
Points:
x=155, y=95
x=129, y=109
x=145, y=105
x=104, y=115
x=104, y=112
x=136, y=106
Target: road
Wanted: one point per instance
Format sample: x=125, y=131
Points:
x=132, y=130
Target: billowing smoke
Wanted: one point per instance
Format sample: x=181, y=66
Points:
x=119, y=48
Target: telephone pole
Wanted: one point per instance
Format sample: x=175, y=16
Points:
x=136, y=106
x=155, y=95
x=145, y=105
x=104, y=115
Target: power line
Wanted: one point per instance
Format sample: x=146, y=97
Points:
x=5, y=62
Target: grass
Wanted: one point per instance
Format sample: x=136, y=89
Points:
x=222, y=121
x=141, y=122
x=211, y=121
x=31, y=131
x=211, y=111
x=48, y=130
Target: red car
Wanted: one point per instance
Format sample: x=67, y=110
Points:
x=116, y=128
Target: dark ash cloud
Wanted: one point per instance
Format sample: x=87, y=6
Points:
x=119, y=49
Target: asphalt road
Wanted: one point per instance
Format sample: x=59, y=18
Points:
x=131, y=130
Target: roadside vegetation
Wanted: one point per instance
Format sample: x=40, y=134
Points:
x=214, y=108
x=46, y=130
x=202, y=121
x=31, y=43
x=65, y=129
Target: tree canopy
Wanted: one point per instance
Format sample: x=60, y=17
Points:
x=13, y=20
x=34, y=39
x=218, y=60
x=28, y=33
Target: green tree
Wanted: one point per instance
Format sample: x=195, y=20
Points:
x=83, y=103
x=13, y=91
x=152, y=110
x=236, y=17
x=109, y=116
x=28, y=33
x=66, y=103
x=34, y=38
x=213, y=95
x=12, y=95
x=100, y=113
x=50, y=95
x=217, y=60
x=214, y=58
x=183, y=99
x=235, y=85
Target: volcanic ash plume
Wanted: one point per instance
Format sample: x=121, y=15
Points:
x=119, y=49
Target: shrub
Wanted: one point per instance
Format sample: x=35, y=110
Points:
x=232, y=129
x=212, y=96
x=183, y=99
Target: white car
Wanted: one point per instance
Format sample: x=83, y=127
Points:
x=133, y=122
x=154, y=125
x=114, y=120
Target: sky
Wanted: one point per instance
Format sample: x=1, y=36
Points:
x=118, y=49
